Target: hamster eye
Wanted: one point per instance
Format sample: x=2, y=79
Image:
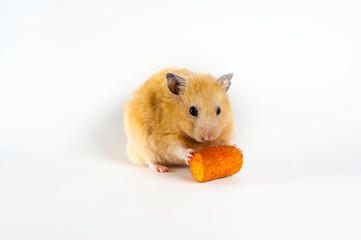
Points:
x=218, y=110
x=193, y=111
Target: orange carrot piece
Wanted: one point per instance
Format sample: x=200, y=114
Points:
x=215, y=162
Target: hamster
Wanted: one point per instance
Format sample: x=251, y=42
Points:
x=175, y=113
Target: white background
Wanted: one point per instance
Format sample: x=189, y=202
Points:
x=67, y=68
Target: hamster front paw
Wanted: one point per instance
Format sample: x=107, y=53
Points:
x=239, y=149
x=188, y=155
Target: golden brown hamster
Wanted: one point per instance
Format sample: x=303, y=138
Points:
x=173, y=114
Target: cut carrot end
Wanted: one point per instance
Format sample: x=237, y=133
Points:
x=215, y=162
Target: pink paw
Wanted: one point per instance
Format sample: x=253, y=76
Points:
x=188, y=155
x=239, y=149
x=158, y=168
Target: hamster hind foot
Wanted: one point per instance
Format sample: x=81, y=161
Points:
x=158, y=168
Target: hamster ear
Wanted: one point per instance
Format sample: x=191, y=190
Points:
x=225, y=81
x=175, y=83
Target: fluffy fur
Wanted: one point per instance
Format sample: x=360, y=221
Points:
x=158, y=124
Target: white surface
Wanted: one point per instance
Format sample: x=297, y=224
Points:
x=66, y=69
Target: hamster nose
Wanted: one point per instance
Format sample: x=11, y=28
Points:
x=207, y=133
x=208, y=137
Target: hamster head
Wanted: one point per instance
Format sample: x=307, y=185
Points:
x=202, y=107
